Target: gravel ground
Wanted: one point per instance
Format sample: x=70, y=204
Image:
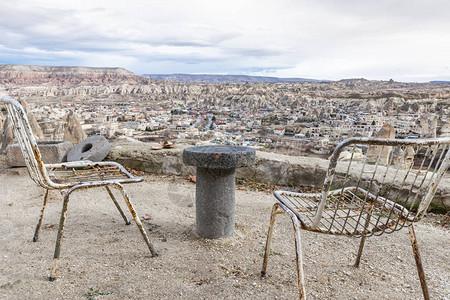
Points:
x=101, y=258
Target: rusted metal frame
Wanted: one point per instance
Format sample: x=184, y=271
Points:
x=397, y=208
x=352, y=201
x=38, y=226
x=425, y=203
x=22, y=141
x=299, y=257
x=136, y=218
x=368, y=189
x=337, y=192
x=27, y=142
x=368, y=141
x=16, y=116
x=298, y=247
x=402, y=185
x=433, y=173
x=392, y=142
x=349, y=211
x=292, y=208
x=418, y=173
x=347, y=174
x=384, y=200
x=358, y=188
x=93, y=182
x=413, y=202
x=125, y=218
x=421, y=273
x=404, y=180
x=345, y=218
x=301, y=216
x=360, y=250
x=62, y=221
x=102, y=176
x=306, y=209
x=273, y=214
x=393, y=205
x=90, y=164
x=329, y=216
x=305, y=214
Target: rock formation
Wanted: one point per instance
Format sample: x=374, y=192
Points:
x=37, y=131
x=16, y=75
x=380, y=152
x=58, y=132
x=7, y=135
x=403, y=158
x=73, y=131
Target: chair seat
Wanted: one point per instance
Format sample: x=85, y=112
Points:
x=342, y=212
x=73, y=173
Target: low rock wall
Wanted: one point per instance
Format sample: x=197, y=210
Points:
x=270, y=168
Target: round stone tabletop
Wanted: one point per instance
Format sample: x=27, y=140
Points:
x=219, y=157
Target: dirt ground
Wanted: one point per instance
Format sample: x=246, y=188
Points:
x=101, y=258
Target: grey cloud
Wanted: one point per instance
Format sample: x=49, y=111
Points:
x=254, y=52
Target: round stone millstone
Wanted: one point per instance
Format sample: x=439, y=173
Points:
x=94, y=148
x=219, y=157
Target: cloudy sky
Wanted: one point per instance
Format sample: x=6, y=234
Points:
x=406, y=40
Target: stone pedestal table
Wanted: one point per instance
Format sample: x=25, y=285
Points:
x=215, y=186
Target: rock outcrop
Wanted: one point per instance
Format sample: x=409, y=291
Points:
x=37, y=130
x=73, y=131
x=380, y=152
x=7, y=135
x=19, y=75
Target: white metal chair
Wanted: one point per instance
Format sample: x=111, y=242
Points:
x=368, y=185
x=69, y=177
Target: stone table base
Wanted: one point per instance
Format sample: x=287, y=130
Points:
x=215, y=189
x=215, y=202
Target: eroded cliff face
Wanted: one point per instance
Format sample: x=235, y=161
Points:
x=72, y=84
x=22, y=75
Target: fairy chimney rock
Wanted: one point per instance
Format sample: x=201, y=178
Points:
x=35, y=128
x=73, y=132
x=7, y=135
x=386, y=132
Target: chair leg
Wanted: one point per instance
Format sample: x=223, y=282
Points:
x=136, y=219
x=360, y=250
x=62, y=223
x=127, y=222
x=363, y=241
x=419, y=265
x=298, y=247
x=38, y=226
x=269, y=238
x=299, y=256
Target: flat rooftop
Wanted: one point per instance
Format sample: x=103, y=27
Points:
x=101, y=255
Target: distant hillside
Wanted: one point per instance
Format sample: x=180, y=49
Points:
x=440, y=81
x=20, y=75
x=210, y=78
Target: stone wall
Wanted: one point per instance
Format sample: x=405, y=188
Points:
x=275, y=169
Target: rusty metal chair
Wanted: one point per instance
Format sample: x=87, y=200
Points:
x=369, y=184
x=69, y=177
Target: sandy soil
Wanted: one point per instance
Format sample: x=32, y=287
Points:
x=101, y=258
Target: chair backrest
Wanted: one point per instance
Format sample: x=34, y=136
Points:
x=383, y=184
x=27, y=141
